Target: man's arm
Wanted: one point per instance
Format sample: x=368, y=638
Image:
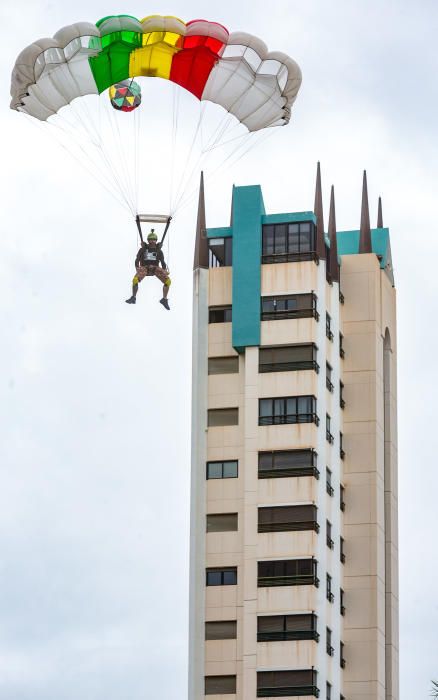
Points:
x=137, y=259
x=161, y=259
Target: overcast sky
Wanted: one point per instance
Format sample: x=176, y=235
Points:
x=95, y=395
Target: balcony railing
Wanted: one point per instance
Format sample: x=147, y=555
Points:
x=342, y=403
x=294, y=580
x=330, y=597
x=289, y=366
x=342, y=557
x=329, y=488
x=289, y=526
x=289, y=419
x=288, y=471
x=288, y=691
x=290, y=313
x=342, y=453
x=330, y=543
x=342, y=663
x=329, y=385
x=287, y=635
x=268, y=258
x=330, y=650
x=329, y=437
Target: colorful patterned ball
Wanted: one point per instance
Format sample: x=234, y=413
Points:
x=125, y=96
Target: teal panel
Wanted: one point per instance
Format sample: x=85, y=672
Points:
x=289, y=217
x=348, y=243
x=248, y=210
x=221, y=232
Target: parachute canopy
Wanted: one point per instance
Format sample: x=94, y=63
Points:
x=233, y=70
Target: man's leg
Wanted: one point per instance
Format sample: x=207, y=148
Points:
x=163, y=275
x=135, y=282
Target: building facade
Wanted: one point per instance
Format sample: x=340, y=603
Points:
x=294, y=566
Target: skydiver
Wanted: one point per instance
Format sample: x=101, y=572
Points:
x=147, y=262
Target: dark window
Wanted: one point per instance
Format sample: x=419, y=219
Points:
x=328, y=326
x=341, y=395
x=329, y=538
x=219, y=314
x=342, y=553
x=283, y=518
x=280, y=628
x=288, y=242
x=223, y=365
x=222, y=522
x=342, y=659
x=287, y=358
x=277, y=684
x=226, y=629
x=220, y=251
x=341, y=500
x=329, y=648
x=287, y=572
x=341, y=345
x=222, y=416
x=222, y=577
x=329, y=488
x=220, y=685
x=328, y=377
x=328, y=691
x=328, y=434
x=289, y=306
x=328, y=589
x=287, y=463
x=288, y=410
x=222, y=470
x=341, y=446
x=341, y=601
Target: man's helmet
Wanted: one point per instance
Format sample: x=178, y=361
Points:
x=152, y=236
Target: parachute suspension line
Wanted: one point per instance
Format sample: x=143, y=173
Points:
x=52, y=134
x=183, y=183
x=99, y=150
x=175, y=116
x=129, y=187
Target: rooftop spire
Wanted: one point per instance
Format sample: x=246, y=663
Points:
x=365, y=229
x=379, y=214
x=334, y=262
x=201, y=247
x=320, y=242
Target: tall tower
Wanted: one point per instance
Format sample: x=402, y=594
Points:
x=294, y=567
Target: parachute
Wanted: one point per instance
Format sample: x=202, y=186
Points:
x=233, y=70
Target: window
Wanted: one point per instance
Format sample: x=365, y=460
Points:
x=328, y=590
x=341, y=346
x=275, y=684
x=341, y=499
x=285, y=518
x=328, y=377
x=289, y=306
x=222, y=470
x=341, y=448
x=328, y=484
x=341, y=601
x=287, y=572
x=287, y=463
x=222, y=416
x=328, y=642
x=220, y=685
x=328, y=691
x=328, y=435
x=219, y=314
x=288, y=242
x=288, y=358
x=342, y=659
x=328, y=326
x=222, y=522
x=341, y=395
x=223, y=365
x=330, y=543
x=222, y=577
x=281, y=628
x=220, y=251
x=288, y=410
x=342, y=553
x=221, y=630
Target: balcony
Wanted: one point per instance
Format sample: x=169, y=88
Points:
x=329, y=385
x=285, y=463
x=289, y=419
x=288, y=691
x=329, y=437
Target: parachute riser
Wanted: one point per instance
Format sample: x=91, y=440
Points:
x=153, y=218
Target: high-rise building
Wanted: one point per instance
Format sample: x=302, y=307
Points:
x=293, y=583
